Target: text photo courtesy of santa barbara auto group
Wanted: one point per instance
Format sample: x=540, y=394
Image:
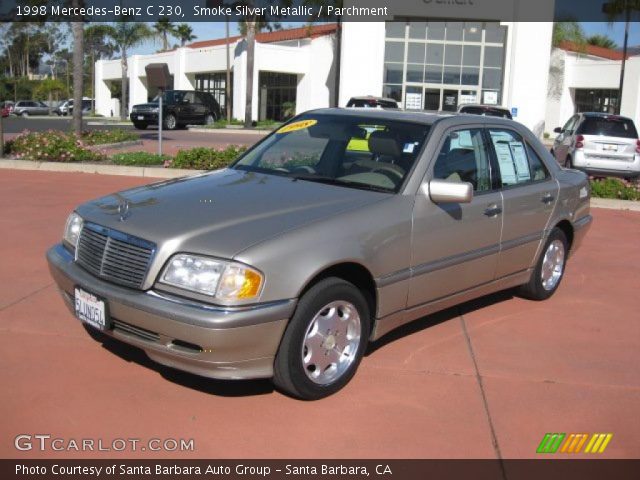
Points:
x=332, y=239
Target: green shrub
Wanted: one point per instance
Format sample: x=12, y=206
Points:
x=202, y=158
x=614, y=188
x=103, y=137
x=139, y=159
x=51, y=146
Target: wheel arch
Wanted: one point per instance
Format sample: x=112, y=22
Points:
x=567, y=228
x=354, y=273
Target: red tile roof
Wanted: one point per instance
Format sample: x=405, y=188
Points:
x=592, y=50
x=275, y=36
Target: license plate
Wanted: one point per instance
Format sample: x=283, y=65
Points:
x=90, y=309
x=140, y=117
x=610, y=148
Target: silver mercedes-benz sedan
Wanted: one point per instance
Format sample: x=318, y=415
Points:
x=332, y=231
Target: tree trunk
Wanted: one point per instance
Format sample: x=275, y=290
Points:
x=124, y=86
x=227, y=84
x=251, y=46
x=93, y=83
x=78, y=74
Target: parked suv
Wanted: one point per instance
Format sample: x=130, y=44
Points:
x=24, y=108
x=372, y=102
x=486, y=110
x=179, y=108
x=66, y=107
x=599, y=143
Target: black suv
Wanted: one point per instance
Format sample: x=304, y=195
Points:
x=179, y=109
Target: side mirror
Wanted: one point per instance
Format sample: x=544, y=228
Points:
x=557, y=130
x=445, y=191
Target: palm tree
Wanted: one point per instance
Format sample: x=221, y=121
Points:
x=164, y=28
x=184, y=33
x=127, y=35
x=78, y=74
x=602, y=41
x=570, y=31
x=96, y=46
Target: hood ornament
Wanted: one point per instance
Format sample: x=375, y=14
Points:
x=124, y=209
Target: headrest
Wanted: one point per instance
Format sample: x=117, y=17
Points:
x=384, y=143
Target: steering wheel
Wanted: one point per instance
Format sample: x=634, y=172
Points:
x=395, y=170
x=304, y=168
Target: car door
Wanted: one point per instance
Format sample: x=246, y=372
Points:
x=564, y=140
x=529, y=195
x=455, y=245
x=189, y=108
x=201, y=108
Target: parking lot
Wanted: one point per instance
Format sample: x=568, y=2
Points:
x=484, y=380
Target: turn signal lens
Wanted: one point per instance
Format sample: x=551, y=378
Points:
x=239, y=283
x=579, y=141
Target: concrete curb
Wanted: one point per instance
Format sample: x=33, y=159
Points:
x=615, y=204
x=152, y=172
x=108, y=123
x=240, y=131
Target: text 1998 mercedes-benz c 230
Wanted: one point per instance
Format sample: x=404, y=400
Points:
x=335, y=229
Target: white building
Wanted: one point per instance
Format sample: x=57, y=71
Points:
x=587, y=79
x=431, y=65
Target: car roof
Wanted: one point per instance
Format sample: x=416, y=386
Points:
x=418, y=116
x=371, y=97
x=603, y=115
x=480, y=105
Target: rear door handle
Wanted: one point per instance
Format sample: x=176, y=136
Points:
x=493, y=211
x=548, y=198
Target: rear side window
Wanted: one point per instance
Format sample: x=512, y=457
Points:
x=516, y=163
x=608, y=127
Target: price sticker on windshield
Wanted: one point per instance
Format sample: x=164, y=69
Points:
x=301, y=125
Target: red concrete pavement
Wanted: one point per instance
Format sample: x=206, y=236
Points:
x=488, y=378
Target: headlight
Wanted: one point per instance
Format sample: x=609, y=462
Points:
x=226, y=281
x=72, y=230
x=155, y=110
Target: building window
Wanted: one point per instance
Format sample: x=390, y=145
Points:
x=432, y=64
x=214, y=83
x=596, y=100
x=277, y=95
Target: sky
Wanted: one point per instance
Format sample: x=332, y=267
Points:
x=208, y=31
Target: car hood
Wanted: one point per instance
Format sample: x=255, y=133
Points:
x=223, y=212
x=148, y=105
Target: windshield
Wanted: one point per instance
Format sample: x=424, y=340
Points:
x=609, y=127
x=349, y=151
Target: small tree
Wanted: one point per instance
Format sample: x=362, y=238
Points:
x=127, y=35
x=602, y=41
x=163, y=29
x=184, y=33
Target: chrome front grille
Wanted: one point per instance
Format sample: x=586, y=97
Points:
x=114, y=256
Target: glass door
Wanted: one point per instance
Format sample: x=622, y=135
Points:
x=432, y=99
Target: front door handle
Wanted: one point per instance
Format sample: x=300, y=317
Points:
x=493, y=211
x=548, y=198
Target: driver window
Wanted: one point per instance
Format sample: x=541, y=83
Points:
x=188, y=98
x=464, y=157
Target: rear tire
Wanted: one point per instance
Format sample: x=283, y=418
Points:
x=324, y=342
x=549, y=270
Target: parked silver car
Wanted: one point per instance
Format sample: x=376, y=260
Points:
x=332, y=231
x=600, y=144
x=24, y=108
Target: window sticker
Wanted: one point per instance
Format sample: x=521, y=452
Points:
x=301, y=125
x=505, y=160
x=520, y=161
x=409, y=147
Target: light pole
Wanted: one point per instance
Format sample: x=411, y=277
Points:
x=616, y=8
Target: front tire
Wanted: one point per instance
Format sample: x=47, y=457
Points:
x=324, y=342
x=549, y=270
x=170, y=122
x=24, y=114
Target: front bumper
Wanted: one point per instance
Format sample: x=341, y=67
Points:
x=215, y=342
x=144, y=117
